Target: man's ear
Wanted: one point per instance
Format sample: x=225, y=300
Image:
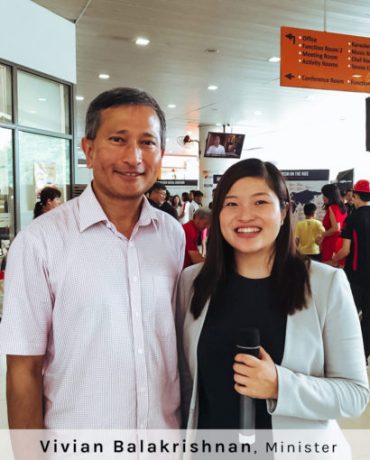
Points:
x=87, y=147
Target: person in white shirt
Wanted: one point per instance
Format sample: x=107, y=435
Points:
x=196, y=203
x=88, y=322
x=217, y=148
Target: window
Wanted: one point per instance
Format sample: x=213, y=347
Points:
x=42, y=103
x=5, y=95
x=43, y=160
x=6, y=189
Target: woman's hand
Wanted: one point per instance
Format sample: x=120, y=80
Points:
x=256, y=378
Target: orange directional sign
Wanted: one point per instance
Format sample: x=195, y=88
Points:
x=323, y=60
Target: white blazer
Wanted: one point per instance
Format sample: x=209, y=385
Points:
x=322, y=375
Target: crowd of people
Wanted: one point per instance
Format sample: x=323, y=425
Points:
x=103, y=328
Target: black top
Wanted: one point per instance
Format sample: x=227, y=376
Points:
x=166, y=207
x=241, y=303
x=357, y=229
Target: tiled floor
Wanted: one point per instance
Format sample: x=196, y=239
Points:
x=362, y=422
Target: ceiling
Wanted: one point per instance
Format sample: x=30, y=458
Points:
x=177, y=69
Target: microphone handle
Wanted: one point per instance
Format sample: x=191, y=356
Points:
x=247, y=405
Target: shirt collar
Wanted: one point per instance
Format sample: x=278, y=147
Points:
x=91, y=212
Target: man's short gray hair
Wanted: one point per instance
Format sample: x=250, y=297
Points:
x=202, y=213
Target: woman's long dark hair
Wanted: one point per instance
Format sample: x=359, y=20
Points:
x=47, y=193
x=332, y=193
x=290, y=277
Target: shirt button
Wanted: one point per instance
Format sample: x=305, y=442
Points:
x=140, y=351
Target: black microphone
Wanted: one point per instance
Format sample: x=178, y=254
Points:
x=248, y=343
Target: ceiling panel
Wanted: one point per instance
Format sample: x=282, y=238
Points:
x=176, y=68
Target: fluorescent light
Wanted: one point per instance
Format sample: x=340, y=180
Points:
x=79, y=98
x=42, y=99
x=104, y=76
x=274, y=59
x=212, y=87
x=171, y=106
x=142, y=41
x=258, y=112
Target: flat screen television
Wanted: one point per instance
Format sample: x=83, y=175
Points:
x=224, y=145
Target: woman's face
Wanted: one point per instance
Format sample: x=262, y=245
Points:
x=176, y=200
x=251, y=217
x=325, y=199
x=51, y=204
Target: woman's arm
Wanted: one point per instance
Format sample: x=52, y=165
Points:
x=335, y=225
x=186, y=381
x=343, y=390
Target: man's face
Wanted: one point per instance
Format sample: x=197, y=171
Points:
x=158, y=196
x=349, y=197
x=356, y=200
x=126, y=153
x=198, y=199
x=217, y=141
x=201, y=224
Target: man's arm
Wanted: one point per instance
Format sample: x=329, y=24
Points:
x=24, y=392
x=195, y=257
x=343, y=252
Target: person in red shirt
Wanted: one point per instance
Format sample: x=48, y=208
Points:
x=193, y=230
x=331, y=241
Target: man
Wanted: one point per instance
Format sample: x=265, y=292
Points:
x=348, y=202
x=88, y=315
x=157, y=198
x=217, y=148
x=196, y=203
x=193, y=230
x=307, y=231
x=356, y=245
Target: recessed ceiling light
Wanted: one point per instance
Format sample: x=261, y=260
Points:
x=104, y=76
x=42, y=99
x=258, y=112
x=212, y=87
x=171, y=106
x=274, y=59
x=142, y=41
x=79, y=98
x=218, y=124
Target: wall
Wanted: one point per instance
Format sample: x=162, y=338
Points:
x=34, y=37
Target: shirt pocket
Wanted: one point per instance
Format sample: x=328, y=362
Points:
x=162, y=310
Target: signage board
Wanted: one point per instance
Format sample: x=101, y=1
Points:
x=324, y=60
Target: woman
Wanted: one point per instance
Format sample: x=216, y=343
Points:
x=49, y=199
x=331, y=242
x=311, y=366
x=176, y=203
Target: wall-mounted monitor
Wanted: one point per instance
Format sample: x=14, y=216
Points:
x=224, y=145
